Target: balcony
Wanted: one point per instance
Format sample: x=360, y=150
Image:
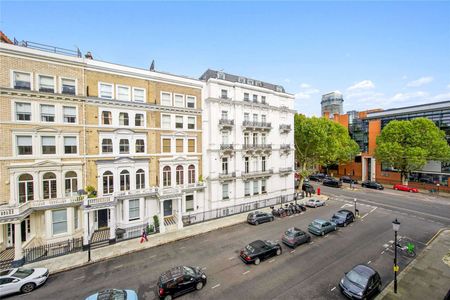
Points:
x=262, y=148
x=226, y=149
x=225, y=97
x=285, y=171
x=257, y=174
x=227, y=176
x=285, y=149
x=284, y=128
x=255, y=125
x=226, y=124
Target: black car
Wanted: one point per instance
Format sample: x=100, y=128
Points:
x=308, y=188
x=372, y=185
x=259, y=250
x=294, y=237
x=258, y=217
x=348, y=179
x=332, y=182
x=343, y=217
x=361, y=282
x=180, y=280
x=317, y=177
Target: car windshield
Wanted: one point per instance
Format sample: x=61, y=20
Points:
x=357, y=279
x=189, y=271
x=290, y=233
x=5, y=272
x=270, y=243
x=112, y=295
x=23, y=273
x=316, y=224
x=339, y=215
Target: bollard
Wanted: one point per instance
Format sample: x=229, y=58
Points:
x=318, y=191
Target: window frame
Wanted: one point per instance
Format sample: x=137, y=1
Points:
x=161, y=98
x=120, y=145
x=191, y=99
x=167, y=117
x=60, y=82
x=189, y=208
x=23, y=72
x=225, y=191
x=175, y=104
x=17, y=144
x=76, y=144
x=99, y=90
x=38, y=78
x=177, y=123
x=47, y=115
x=58, y=222
x=119, y=86
x=144, y=94
x=102, y=145
x=42, y=144
x=136, y=146
x=134, y=209
x=16, y=118
x=110, y=118
x=189, y=124
x=64, y=115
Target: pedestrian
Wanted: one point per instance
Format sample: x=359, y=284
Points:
x=351, y=184
x=144, y=236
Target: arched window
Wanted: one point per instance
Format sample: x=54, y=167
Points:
x=26, y=188
x=123, y=119
x=124, y=180
x=180, y=175
x=71, y=183
x=167, y=176
x=140, y=179
x=108, y=183
x=49, y=185
x=191, y=174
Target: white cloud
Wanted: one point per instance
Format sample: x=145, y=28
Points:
x=445, y=96
x=448, y=86
x=305, y=85
x=362, y=85
x=308, y=100
x=420, y=82
x=287, y=80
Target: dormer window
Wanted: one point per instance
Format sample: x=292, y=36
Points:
x=221, y=75
x=250, y=81
x=241, y=80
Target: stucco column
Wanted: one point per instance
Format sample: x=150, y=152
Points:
x=373, y=166
x=363, y=168
x=179, y=213
x=112, y=225
x=48, y=223
x=70, y=220
x=162, y=227
x=85, y=228
x=19, y=259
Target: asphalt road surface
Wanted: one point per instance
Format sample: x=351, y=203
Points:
x=312, y=271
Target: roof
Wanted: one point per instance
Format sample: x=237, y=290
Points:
x=240, y=79
x=4, y=38
x=170, y=274
x=257, y=244
x=409, y=109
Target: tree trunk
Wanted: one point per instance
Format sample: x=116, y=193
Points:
x=404, y=178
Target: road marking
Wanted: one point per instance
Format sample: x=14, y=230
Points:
x=204, y=268
x=117, y=267
x=333, y=289
x=231, y=258
x=391, y=242
x=292, y=251
x=81, y=277
x=346, y=204
x=246, y=272
x=182, y=247
x=373, y=209
x=351, y=225
x=271, y=261
x=153, y=256
x=216, y=286
x=364, y=216
x=382, y=252
x=369, y=262
x=311, y=243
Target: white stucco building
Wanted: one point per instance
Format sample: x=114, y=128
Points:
x=248, y=139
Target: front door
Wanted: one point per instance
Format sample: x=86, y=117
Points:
x=167, y=208
x=102, y=217
x=10, y=235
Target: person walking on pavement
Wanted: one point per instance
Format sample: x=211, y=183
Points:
x=144, y=236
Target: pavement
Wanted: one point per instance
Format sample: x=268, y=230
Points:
x=428, y=276
x=70, y=261
x=311, y=271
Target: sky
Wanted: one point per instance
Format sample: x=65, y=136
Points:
x=377, y=54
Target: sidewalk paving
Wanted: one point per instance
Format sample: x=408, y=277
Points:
x=427, y=277
x=79, y=259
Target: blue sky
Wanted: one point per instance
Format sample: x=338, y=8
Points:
x=378, y=54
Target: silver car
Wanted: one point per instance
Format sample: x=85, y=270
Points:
x=315, y=203
x=21, y=280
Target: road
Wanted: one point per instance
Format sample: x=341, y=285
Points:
x=312, y=271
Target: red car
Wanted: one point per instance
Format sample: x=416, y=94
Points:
x=405, y=188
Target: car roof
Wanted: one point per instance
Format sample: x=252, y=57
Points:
x=295, y=229
x=320, y=221
x=107, y=294
x=364, y=270
x=257, y=244
x=171, y=274
x=344, y=211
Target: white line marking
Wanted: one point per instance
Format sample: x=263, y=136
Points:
x=346, y=204
x=292, y=251
x=311, y=243
x=204, y=268
x=364, y=216
x=246, y=272
x=373, y=210
x=369, y=262
x=81, y=277
x=391, y=242
x=351, y=225
x=153, y=256
x=117, y=267
x=385, y=245
x=216, y=286
x=182, y=247
x=382, y=252
x=271, y=261
x=333, y=289
x=231, y=258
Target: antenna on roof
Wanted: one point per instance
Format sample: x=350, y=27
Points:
x=152, y=66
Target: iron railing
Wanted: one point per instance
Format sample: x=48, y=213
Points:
x=48, y=48
x=257, y=124
x=200, y=217
x=53, y=250
x=123, y=234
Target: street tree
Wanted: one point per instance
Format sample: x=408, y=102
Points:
x=408, y=145
x=320, y=141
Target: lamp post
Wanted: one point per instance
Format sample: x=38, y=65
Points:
x=354, y=200
x=396, y=227
x=89, y=234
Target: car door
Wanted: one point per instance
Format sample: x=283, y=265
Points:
x=349, y=218
x=8, y=286
x=301, y=238
x=371, y=286
x=184, y=284
x=327, y=227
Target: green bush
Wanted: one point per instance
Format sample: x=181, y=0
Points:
x=156, y=221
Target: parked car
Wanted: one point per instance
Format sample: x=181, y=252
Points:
x=294, y=237
x=180, y=280
x=426, y=180
x=317, y=177
x=258, y=217
x=343, y=217
x=321, y=227
x=308, y=188
x=259, y=250
x=348, y=179
x=114, y=294
x=332, y=182
x=372, y=185
x=315, y=203
x=21, y=280
x=361, y=282
x=405, y=188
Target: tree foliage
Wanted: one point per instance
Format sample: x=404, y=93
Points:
x=408, y=145
x=319, y=141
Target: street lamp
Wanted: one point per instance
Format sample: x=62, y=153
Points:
x=354, y=200
x=89, y=234
x=396, y=227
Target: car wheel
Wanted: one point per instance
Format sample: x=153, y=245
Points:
x=345, y=224
x=257, y=261
x=278, y=252
x=395, y=188
x=27, y=288
x=322, y=233
x=168, y=297
x=256, y=222
x=199, y=286
x=272, y=219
